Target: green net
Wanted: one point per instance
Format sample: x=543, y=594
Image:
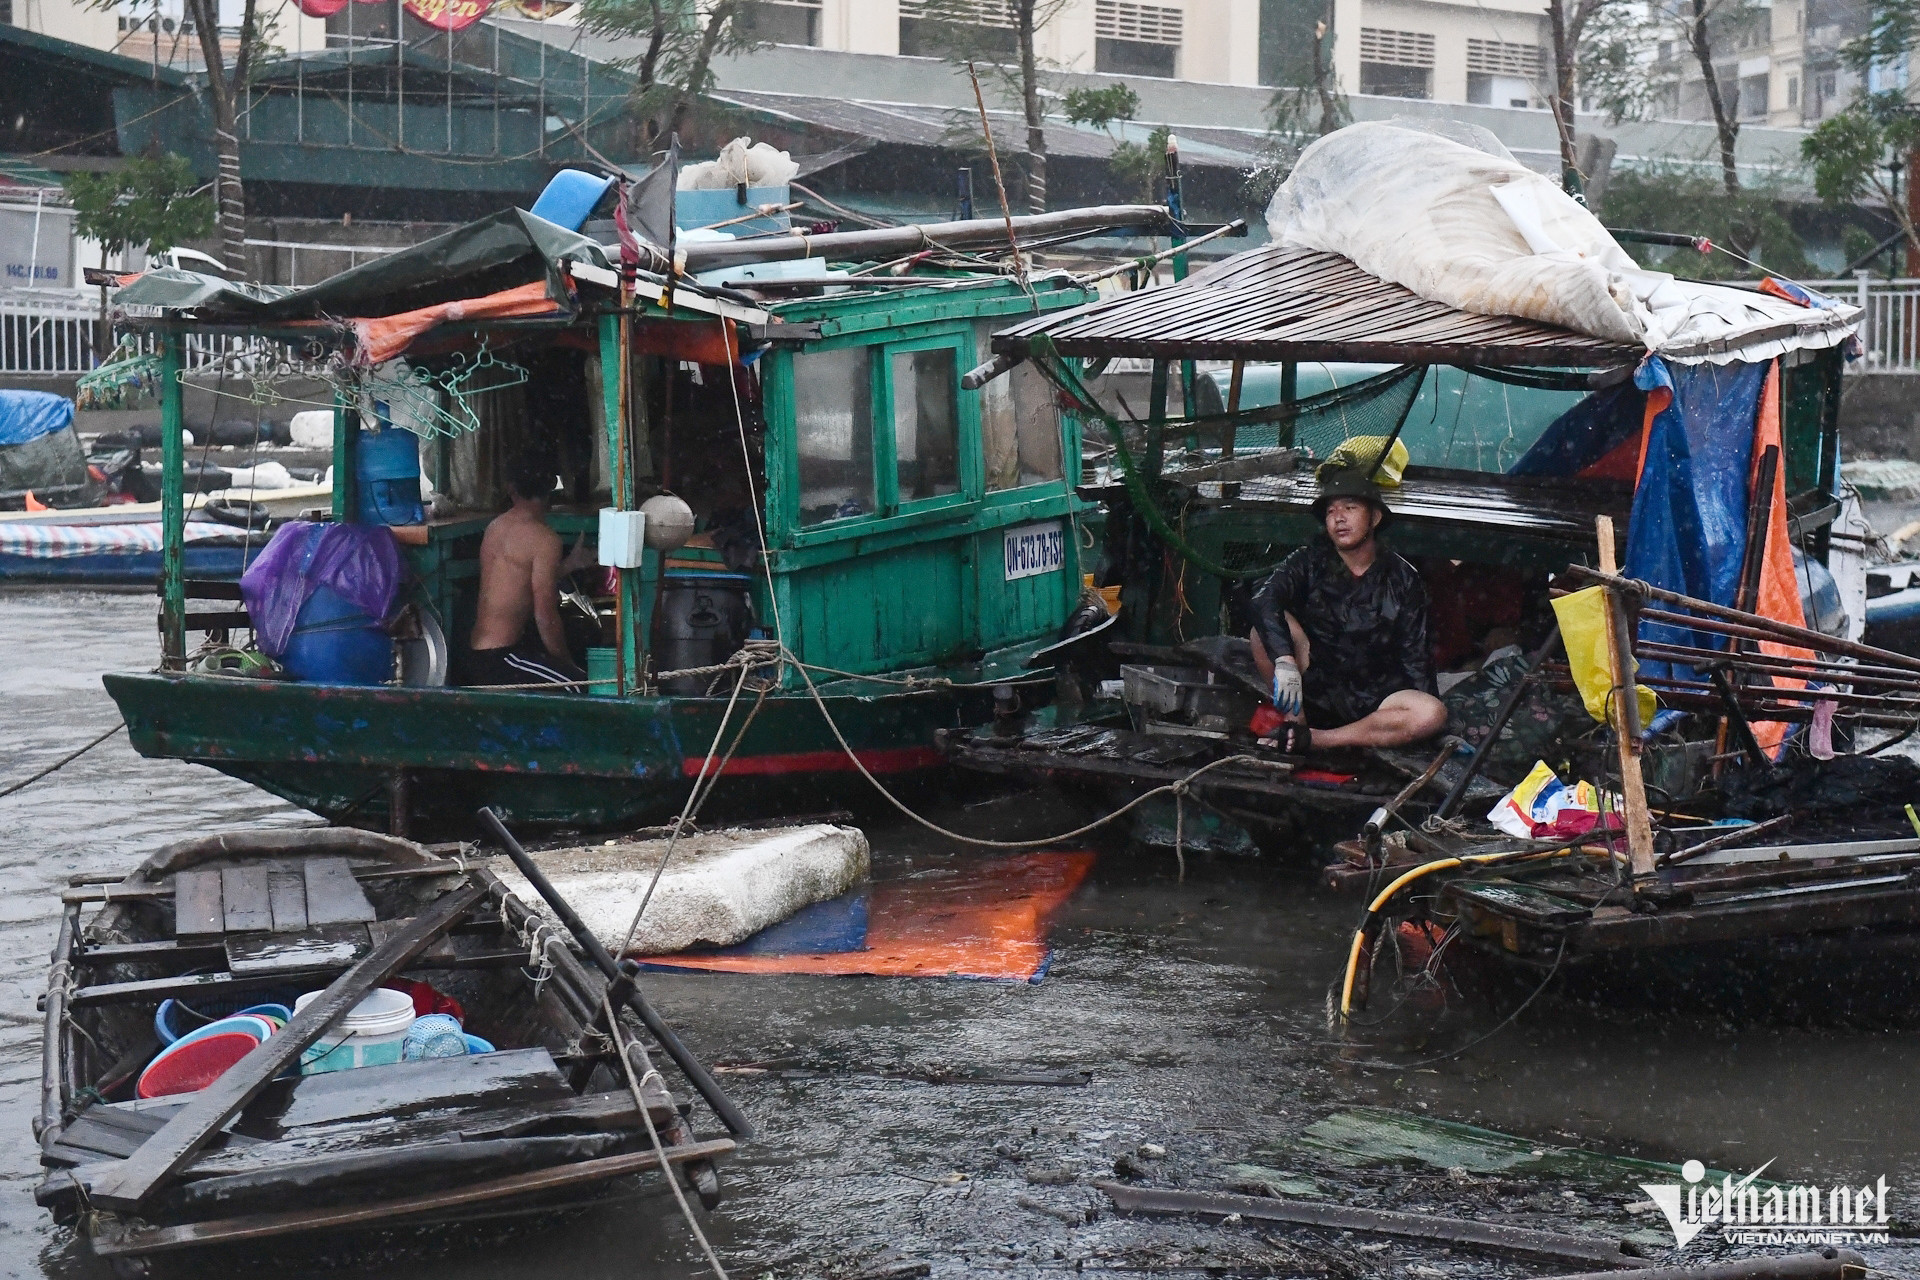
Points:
x=1274, y=447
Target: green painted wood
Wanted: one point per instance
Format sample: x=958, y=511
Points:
x=173, y=513
x=346, y=443
x=621, y=482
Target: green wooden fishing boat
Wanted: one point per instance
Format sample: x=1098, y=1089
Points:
x=920, y=537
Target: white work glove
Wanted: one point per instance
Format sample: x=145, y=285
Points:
x=1286, y=687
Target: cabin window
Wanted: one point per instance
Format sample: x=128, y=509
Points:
x=1019, y=425
x=926, y=427
x=833, y=421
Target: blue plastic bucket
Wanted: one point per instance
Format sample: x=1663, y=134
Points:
x=334, y=643
x=386, y=471
x=570, y=197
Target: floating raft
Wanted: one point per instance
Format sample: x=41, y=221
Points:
x=718, y=888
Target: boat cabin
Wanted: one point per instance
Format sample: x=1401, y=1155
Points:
x=852, y=503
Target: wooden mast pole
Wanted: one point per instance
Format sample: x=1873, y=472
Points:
x=1624, y=714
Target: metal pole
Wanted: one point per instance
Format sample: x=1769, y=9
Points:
x=723, y=1106
x=399, y=76
x=353, y=53
x=540, y=116
x=33, y=255
x=496, y=88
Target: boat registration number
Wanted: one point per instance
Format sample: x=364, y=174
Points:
x=1034, y=549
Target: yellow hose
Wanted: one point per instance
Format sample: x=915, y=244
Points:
x=1386, y=894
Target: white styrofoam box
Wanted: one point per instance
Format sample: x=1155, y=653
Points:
x=623, y=536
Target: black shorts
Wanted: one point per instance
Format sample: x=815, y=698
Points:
x=1327, y=705
x=523, y=663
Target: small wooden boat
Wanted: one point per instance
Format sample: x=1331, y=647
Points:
x=540, y=1118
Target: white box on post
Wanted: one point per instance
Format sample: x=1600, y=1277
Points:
x=623, y=536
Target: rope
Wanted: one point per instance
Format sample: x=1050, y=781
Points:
x=62, y=762
x=695, y=796
x=634, y=1086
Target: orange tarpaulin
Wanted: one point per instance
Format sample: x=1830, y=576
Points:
x=987, y=919
x=384, y=337
x=1779, y=597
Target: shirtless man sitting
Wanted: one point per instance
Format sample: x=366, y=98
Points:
x=1341, y=631
x=520, y=568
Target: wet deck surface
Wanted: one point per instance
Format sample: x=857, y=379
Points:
x=1199, y=1009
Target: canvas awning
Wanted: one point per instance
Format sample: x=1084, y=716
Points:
x=503, y=251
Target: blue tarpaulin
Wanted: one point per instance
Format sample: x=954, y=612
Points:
x=28, y=415
x=1689, y=525
x=1586, y=433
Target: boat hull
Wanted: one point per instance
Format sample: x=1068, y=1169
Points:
x=541, y=759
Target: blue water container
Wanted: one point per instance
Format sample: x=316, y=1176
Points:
x=333, y=642
x=570, y=197
x=386, y=471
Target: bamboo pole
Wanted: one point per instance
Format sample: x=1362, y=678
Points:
x=1786, y=633
x=1633, y=788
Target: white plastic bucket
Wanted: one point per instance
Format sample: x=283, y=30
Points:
x=369, y=1036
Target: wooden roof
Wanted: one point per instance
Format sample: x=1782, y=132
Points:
x=1274, y=303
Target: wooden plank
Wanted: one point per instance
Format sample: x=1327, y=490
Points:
x=333, y=895
x=196, y=904
x=1525, y=1242
x=130, y=1183
x=332, y=947
x=1633, y=790
x=287, y=898
x=593, y=1112
x=118, y=1241
x=510, y=1077
x=138, y=952
x=187, y=985
x=243, y=899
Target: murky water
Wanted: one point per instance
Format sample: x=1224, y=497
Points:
x=1199, y=1009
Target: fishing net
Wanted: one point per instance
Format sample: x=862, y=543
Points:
x=1276, y=446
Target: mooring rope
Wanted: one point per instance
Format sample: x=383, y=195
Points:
x=636, y=1085
x=62, y=762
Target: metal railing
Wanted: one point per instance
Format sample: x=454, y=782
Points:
x=47, y=332
x=1889, y=325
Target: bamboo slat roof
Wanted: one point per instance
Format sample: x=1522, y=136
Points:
x=1275, y=303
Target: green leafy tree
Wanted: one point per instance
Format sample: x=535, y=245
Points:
x=1851, y=151
x=1616, y=71
x=1679, y=199
x=1000, y=39
x=152, y=202
x=1135, y=164
x=679, y=42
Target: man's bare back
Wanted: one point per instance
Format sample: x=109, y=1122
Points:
x=519, y=579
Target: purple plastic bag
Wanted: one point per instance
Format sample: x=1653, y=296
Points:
x=361, y=562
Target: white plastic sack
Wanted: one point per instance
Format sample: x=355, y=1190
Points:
x=742, y=160
x=1452, y=216
x=266, y=475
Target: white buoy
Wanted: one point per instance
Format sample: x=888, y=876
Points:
x=669, y=522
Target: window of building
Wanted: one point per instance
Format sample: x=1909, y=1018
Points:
x=1396, y=64
x=833, y=430
x=781, y=21
x=1753, y=97
x=1793, y=91
x=1137, y=39
x=1019, y=423
x=1503, y=74
x=926, y=423
x=939, y=28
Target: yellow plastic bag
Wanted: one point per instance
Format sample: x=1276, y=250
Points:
x=1362, y=453
x=1583, y=628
